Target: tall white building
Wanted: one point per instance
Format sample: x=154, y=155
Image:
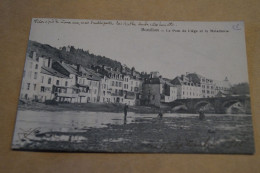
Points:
x=186, y=88
x=207, y=85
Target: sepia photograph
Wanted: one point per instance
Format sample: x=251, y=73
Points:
x=135, y=87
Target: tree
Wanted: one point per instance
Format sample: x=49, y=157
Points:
x=240, y=89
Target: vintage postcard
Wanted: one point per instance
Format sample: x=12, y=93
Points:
x=135, y=86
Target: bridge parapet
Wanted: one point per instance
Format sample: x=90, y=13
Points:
x=217, y=105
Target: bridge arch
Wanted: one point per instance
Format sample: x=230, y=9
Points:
x=233, y=106
x=229, y=103
x=201, y=104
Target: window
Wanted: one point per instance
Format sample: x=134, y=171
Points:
x=104, y=86
x=113, y=83
x=116, y=83
x=49, y=80
x=66, y=83
x=28, y=86
x=35, y=75
x=42, y=89
x=36, y=66
x=57, y=82
x=120, y=84
x=153, y=97
x=34, y=87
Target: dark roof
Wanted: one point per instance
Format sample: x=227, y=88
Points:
x=69, y=68
x=52, y=72
x=91, y=74
x=195, y=78
x=157, y=81
x=177, y=81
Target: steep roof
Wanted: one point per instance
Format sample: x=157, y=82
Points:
x=52, y=72
x=91, y=74
x=64, y=68
x=194, y=77
x=177, y=81
x=69, y=68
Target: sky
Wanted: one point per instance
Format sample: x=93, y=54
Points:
x=215, y=55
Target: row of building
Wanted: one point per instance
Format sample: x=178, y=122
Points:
x=157, y=90
x=48, y=79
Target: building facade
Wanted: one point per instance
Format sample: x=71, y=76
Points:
x=186, y=88
x=157, y=90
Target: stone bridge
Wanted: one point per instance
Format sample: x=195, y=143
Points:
x=219, y=105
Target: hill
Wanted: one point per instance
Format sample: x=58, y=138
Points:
x=73, y=56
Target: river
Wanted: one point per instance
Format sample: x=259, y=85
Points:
x=28, y=122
